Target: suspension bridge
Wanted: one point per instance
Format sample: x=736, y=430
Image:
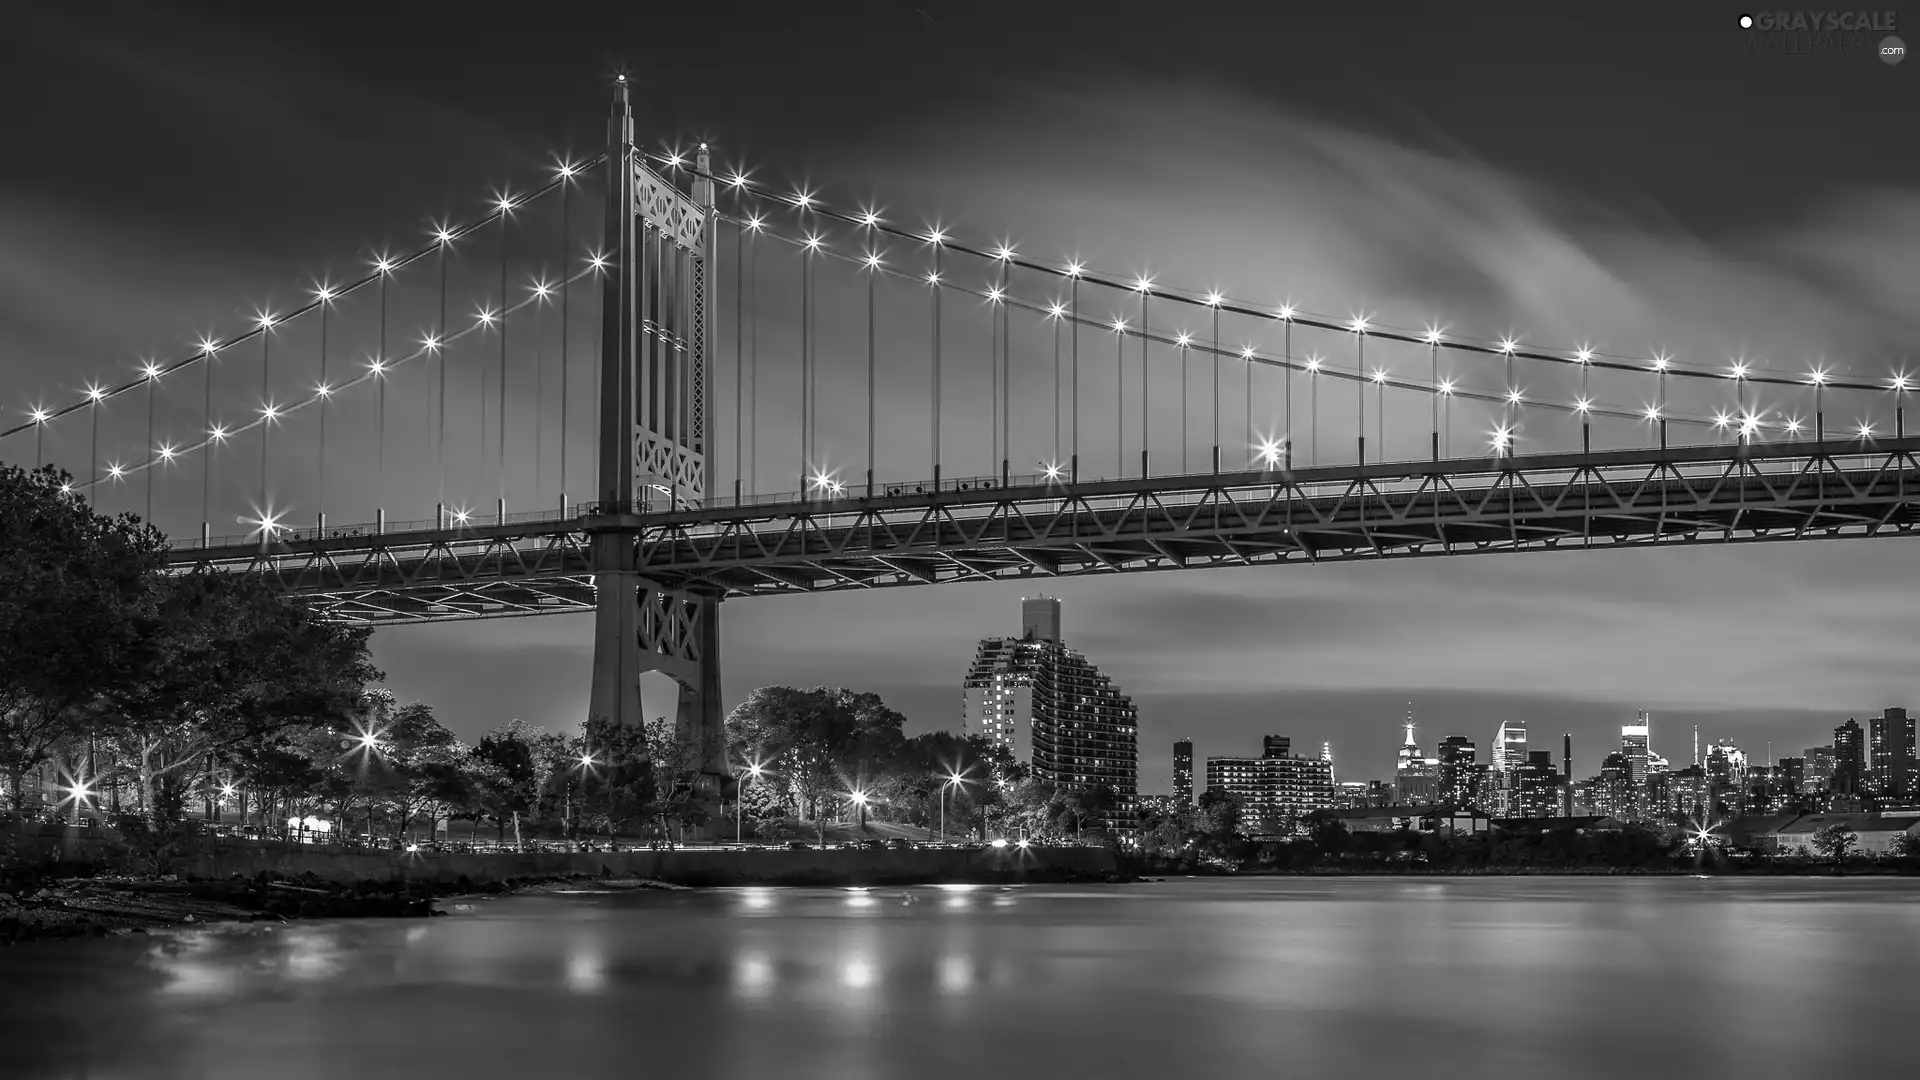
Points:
x=648, y=384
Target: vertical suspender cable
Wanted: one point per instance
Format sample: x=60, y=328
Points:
x=1360, y=388
x=1120, y=401
x=806, y=364
x=266, y=419
x=1216, y=388
x=380, y=358
x=739, y=356
x=1143, y=383
x=753, y=361
x=1054, y=461
x=440, y=427
x=873, y=275
x=325, y=392
x=934, y=284
x=206, y=468
x=1006, y=375
x=153, y=387
x=566, y=280
x=1073, y=314
x=1286, y=375
x=1186, y=438
x=500, y=445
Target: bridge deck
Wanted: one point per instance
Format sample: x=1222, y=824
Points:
x=541, y=563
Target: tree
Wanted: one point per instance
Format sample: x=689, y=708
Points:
x=77, y=615
x=1834, y=840
x=233, y=665
x=619, y=786
x=822, y=741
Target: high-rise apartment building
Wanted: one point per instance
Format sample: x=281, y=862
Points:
x=1536, y=787
x=1183, y=772
x=1849, y=758
x=1275, y=787
x=1891, y=761
x=1053, y=709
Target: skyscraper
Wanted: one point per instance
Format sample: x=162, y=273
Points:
x=1459, y=771
x=1183, y=772
x=1053, y=709
x=1891, y=764
x=1416, y=777
x=1506, y=756
x=1634, y=740
x=1849, y=758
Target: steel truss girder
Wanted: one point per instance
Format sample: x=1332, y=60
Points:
x=1619, y=499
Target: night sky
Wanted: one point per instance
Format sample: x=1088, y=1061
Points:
x=1634, y=178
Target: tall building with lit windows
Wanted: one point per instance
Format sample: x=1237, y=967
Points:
x=1506, y=757
x=1183, y=772
x=1052, y=709
x=1275, y=788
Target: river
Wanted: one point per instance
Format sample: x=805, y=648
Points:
x=1353, y=977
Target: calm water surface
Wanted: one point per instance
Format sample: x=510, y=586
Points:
x=1237, y=978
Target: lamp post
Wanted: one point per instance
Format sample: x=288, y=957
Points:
x=859, y=799
x=573, y=820
x=953, y=779
x=753, y=771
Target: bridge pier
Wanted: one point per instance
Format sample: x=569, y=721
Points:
x=641, y=627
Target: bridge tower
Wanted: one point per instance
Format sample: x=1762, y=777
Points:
x=654, y=435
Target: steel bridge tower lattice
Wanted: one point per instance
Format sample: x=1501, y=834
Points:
x=654, y=437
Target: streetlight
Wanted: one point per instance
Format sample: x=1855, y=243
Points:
x=753, y=772
x=859, y=799
x=953, y=778
x=573, y=821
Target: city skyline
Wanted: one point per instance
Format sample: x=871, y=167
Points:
x=1557, y=250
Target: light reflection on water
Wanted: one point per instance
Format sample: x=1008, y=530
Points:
x=1467, y=978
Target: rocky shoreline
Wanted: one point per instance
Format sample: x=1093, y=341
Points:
x=110, y=906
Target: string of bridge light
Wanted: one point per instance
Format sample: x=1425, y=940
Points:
x=1312, y=365
x=383, y=267
x=377, y=369
x=1508, y=348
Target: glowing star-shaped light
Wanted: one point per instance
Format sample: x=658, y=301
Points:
x=151, y=371
x=1432, y=336
x=567, y=169
x=1583, y=405
x=1051, y=470
x=443, y=235
x=208, y=346
x=737, y=180
x=1214, y=299
x=1660, y=361
x=325, y=294
x=598, y=261
x=461, y=516
x=1075, y=269
x=1584, y=355
x=1056, y=310
x=95, y=393
x=1246, y=352
x=1866, y=430
x=1501, y=437
x=1737, y=371
x=936, y=236
x=933, y=277
x=994, y=294
x=1379, y=375
x=1507, y=345
x=430, y=342
x=869, y=219
x=754, y=223
x=1818, y=376
x=1358, y=324
x=1721, y=420
x=40, y=415
x=114, y=470
x=1184, y=340
x=383, y=265
x=1119, y=326
x=217, y=433
x=323, y=390
x=1899, y=382
x=542, y=290
x=376, y=368
x=1653, y=412
x=1513, y=397
x=504, y=203
x=1313, y=365
x=1003, y=253
x=485, y=316
x=266, y=524
x=1446, y=387
x=166, y=452
x=813, y=243
x=265, y=320
x=873, y=261
x=1143, y=284
x=269, y=411
x=1284, y=313
x=674, y=161
x=1270, y=451
x=1793, y=427
x=803, y=200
